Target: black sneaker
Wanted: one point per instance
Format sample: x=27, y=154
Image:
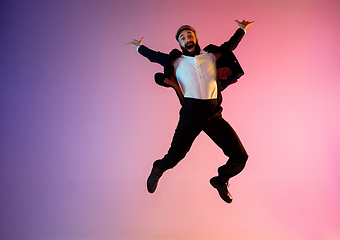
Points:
x=222, y=189
x=153, y=178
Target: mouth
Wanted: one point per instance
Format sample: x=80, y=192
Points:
x=190, y=46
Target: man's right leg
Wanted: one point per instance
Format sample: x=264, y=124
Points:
x=186, y=132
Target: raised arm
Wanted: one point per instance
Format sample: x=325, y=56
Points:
x=153, y=56
x=236, y=38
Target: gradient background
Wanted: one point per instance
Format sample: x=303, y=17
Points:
x=82, y=120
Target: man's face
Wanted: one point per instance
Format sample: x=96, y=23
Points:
x=189, y=43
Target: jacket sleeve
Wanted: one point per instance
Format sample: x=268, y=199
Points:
x=229, y=69
x=153, y=56
x=234, y=40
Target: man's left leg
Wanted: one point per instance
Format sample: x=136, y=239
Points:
x=226, y=138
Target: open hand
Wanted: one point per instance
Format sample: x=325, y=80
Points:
x=135, y=43
x=244, y=24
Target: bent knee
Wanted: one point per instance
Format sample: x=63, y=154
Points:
x=240, y=157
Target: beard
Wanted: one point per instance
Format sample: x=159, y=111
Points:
x=190, y=45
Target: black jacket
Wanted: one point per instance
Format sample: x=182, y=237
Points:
x=228, y=68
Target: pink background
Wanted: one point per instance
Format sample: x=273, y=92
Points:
x=82, y=120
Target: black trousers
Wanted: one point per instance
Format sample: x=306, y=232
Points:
x=205, y=115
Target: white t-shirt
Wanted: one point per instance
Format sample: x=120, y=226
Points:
x=197, y=75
